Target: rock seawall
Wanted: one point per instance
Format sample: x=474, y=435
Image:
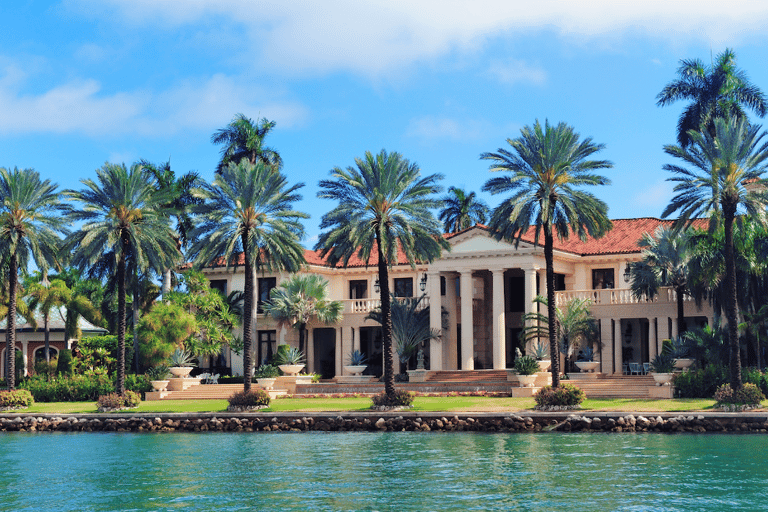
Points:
x=381, y=422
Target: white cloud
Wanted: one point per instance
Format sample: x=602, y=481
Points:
x=655, y=197
x=434, y=128
x=375, y=38
x=515, y=71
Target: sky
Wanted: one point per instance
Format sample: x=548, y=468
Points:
x=84, y=82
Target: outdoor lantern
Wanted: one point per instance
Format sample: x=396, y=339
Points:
x=627, y=273
x=423, y=282
x=377, y=286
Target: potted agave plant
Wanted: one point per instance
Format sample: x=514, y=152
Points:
x=541, y=354
x=290, y=360
x=586, y=362
x=181, y=363
x=662, y=367
x=680, y=354
x=357, y=363
x=266, y=375
x=158, y=377
x=526, y=368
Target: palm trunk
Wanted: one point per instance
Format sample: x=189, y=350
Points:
x=386, y=323
x=729, y=212
x=681, y=327
x=551, y=311
x=302, y=327
x=47, y=341
x=247, y=316
x=120, y=386
x=166, y=284
x=10, y=334
x=135, y=309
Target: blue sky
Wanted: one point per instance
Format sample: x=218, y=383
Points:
x=83, y=82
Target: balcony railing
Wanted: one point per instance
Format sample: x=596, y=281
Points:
x=614, y=296
x=365, y=306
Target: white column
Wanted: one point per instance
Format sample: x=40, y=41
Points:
x=467, y=321
x=653, y=341
x=499, y=322
x=24, y=348
x=435, y=323
x=451, y=338
x=339, y=361
x=618, y=336
x=310, y=350
x=355, y=339
x=663, y=323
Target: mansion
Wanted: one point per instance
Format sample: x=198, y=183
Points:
x=483, y=287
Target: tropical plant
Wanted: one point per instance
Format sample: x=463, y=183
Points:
x=29, y=227
x=564, y=396
x=247, y=211
x=290, y=356
x=666, y=262
x=48, y=296
x=526, y=365
x=160, y=372
x=539, y=350
x=121, y=212
x=547, y=165
x=708, y=344
x=663, y=363
x=356, y=358
x=401, y=398
x=586, y=354
x=181, y=358
x=167, y=327
x=462, y=210
x=299, y=299
x=384, y=207
x=252, y=399
x=86, y=300
x=244, y=139
x=723, y=173
x=410, y=325
x=266, y=371
x=717, y=91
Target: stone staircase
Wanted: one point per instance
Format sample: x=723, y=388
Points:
x=616, y=386
x=469, y=376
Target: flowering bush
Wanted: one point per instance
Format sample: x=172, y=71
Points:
x=566, y=395
x=113, y=401
x=253, y=398
x=21, y=398
x=749, y=395
x=402, y=398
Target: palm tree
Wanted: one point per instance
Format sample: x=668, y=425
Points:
x=301, y=298
x=462, y=210
x=122, y=213
x=29, y=226
x=384, y=205
x=244, y=139
x=248, y=210
x=547, y=164
x=716, y=91
x=84, y=292
x=723, y=173
x=667, y=257
x=47, y=296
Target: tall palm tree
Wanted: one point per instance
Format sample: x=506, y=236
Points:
x=29, y=226
x=248, y=210
x=121, y=212
x=723, y=173
x=547, y=165
x=716, y=91
x=384, y=206
x=180, y=188
x=667, y=256
x=83, y=294
x=301, y=298
x=48, y=296
x=462, y=210
x=244, y=139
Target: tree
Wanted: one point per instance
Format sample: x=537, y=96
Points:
x=717, y=91
x=723, y=173
x=247, y=211
x=301, y=298
x=29, y=227
x=547, y=164
x=121, y=213
x=244, y=139
x=574, y=326
x=462, y=210
x=85, y=301
x=666, y=261
x=47, y=296
x=384, y=206
x=410, y=325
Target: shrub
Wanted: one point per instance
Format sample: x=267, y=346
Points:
x=663, y=363
x=266, y=371
x=76, y=388
x=21, y=398
x=566, y=395
x=252, y=398
x=749, y=395
x=137, y=383
x=756, y=377
x=115, y=401
x=131, y=399
x=701, y=383
x=401, y=398
x=526, y=365
x=43, y=367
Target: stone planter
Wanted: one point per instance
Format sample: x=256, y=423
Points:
x=544, y=364
x=663, y=379
x=159, y=385
x=683, y=363
x=291, y=369
x=266, y=382
x=181, y=371
x=587, y=366
x=526, y=381
x=356, y=369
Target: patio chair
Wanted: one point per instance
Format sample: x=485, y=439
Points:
x=635, y=368
x=646, y=368
x=625, y=369
x=214, y=379
x=203, y=377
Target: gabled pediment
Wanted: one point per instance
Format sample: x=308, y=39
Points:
x=478, y=240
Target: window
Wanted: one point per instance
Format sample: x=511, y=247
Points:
x=403, y=287
x=40, y=353
x=220, y=285
x=265, y=286
x=442, y=285
x=267, y=346
x=358, y=289
x=602, y=278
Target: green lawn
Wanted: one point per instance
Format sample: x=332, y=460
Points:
x=427, y=404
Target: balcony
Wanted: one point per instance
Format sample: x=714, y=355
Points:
x=617, y=296
x=365, y=306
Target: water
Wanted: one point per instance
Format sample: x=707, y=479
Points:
x=382, y=471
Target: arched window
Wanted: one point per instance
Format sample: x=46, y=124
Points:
x=40, y=353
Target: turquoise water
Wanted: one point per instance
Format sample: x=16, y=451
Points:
x=382, y=471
